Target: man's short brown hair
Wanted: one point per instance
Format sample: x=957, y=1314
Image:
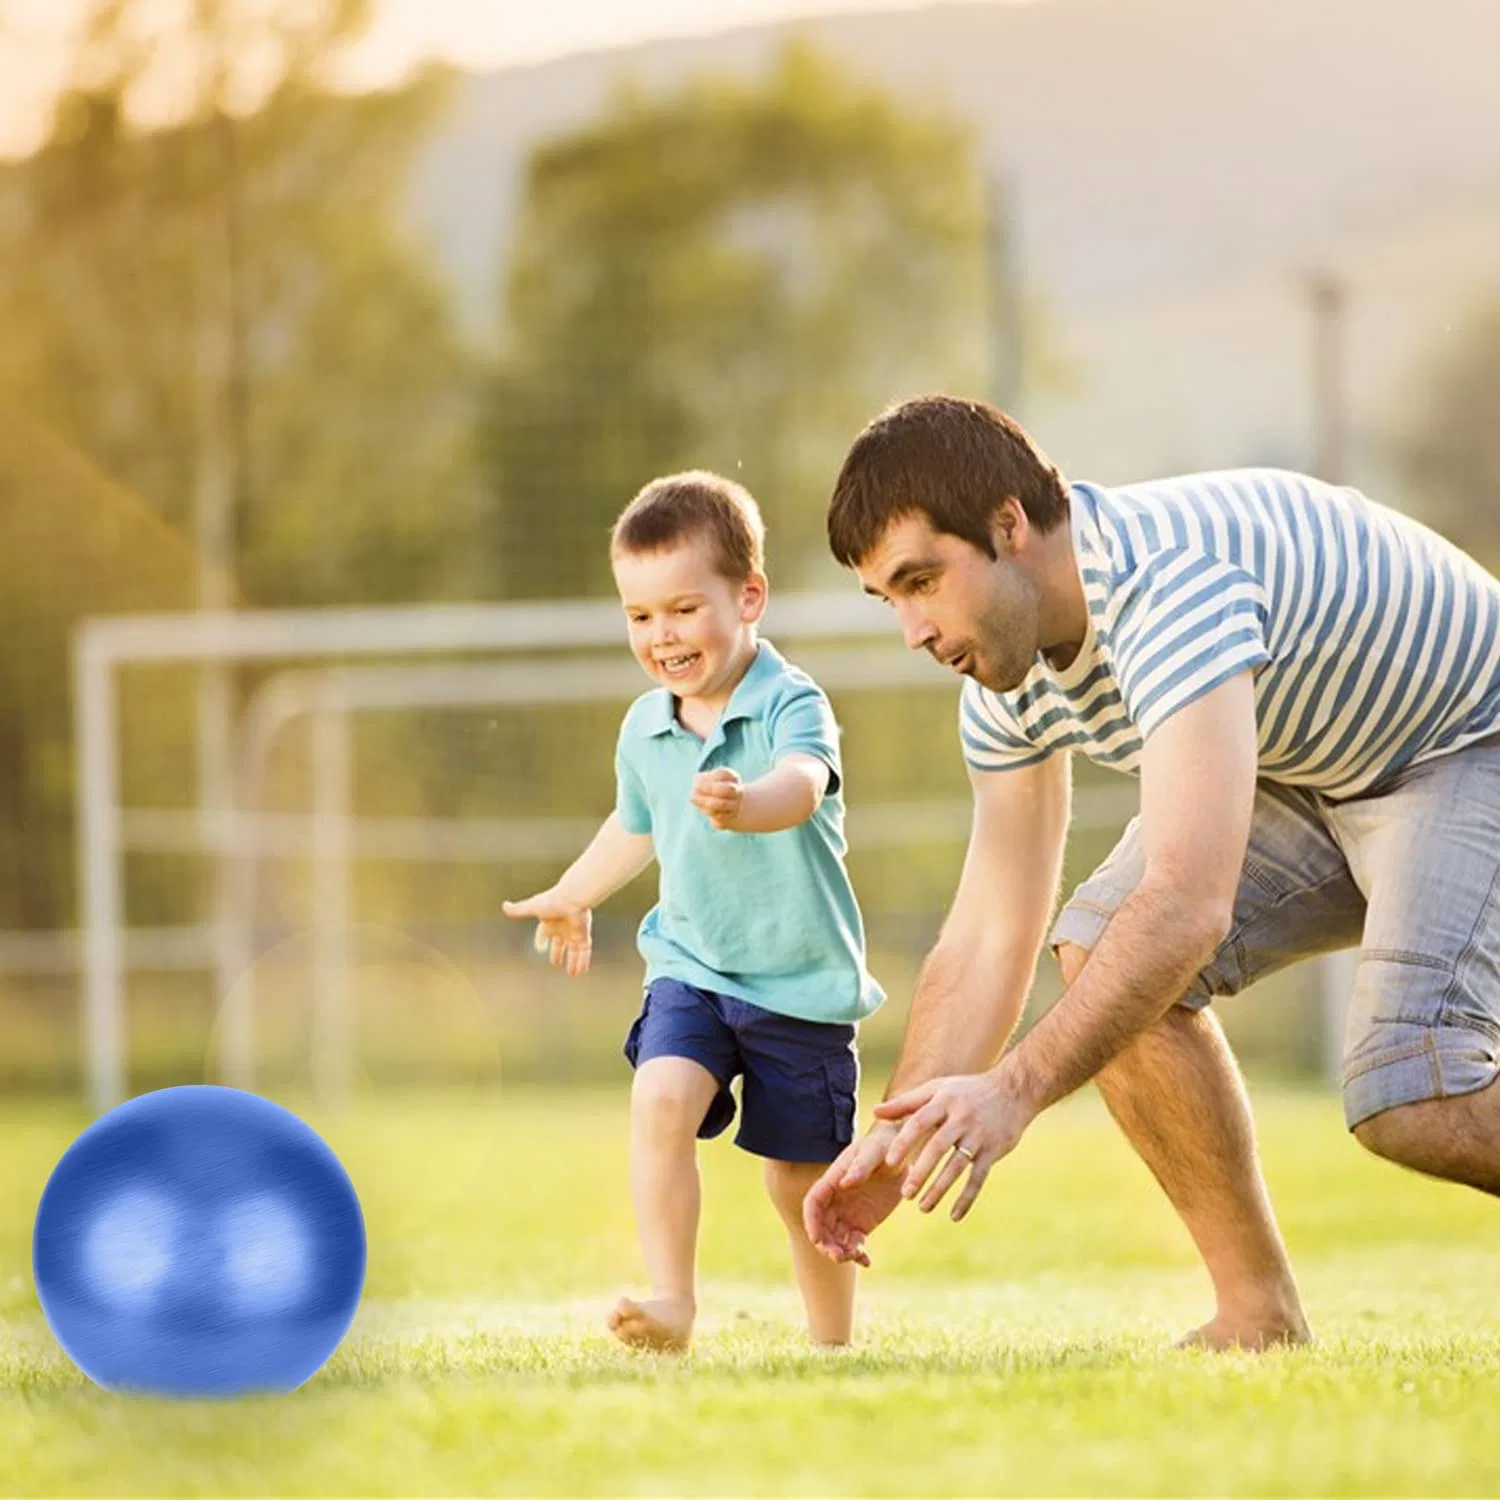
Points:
x=950, y=460
x=681, y=507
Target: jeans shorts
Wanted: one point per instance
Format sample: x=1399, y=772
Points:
x=800, y=1078
x=1408, y=873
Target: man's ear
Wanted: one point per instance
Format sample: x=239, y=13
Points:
x=1010, y=527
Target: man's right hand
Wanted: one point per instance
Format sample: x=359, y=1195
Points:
x=855, y=1195
x=564, y=929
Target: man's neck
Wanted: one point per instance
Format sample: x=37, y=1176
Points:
x=1063, y=618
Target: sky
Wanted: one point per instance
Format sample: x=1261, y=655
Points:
x=476, y=34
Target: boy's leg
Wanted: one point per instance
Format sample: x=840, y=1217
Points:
x=827, y=1289
x=668, y=1101
x=798, y=1109
x=683, y=1052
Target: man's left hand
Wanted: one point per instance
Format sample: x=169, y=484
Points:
x=958, y=1123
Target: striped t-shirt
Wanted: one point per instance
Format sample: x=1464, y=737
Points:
x=1374, y=643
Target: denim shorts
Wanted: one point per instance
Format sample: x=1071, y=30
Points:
x=800, y=1078
x=1409, y=874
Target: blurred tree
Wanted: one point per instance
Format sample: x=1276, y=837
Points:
x=227, y=289
x=72, y=543
x=1449, y=452
x=733, y=276
x=203, y=297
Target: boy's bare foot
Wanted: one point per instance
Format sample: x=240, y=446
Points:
x=664, y=1325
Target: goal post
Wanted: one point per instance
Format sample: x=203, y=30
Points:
x=528, y=655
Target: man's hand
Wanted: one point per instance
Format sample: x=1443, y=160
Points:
x=967, y=1122
x=564, y=929
x=857, y=1193
x=720, y=796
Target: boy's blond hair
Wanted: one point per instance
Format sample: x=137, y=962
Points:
x=679, y=507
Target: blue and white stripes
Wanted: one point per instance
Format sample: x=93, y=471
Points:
x=1375, y=643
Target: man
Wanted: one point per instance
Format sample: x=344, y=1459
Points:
x=1308, y=686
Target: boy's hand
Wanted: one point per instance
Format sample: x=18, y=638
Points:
x=564, y=929
x=720, y=796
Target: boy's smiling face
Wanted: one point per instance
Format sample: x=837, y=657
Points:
x=691, y=628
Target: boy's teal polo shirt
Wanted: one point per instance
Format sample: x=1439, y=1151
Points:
x=765, y=917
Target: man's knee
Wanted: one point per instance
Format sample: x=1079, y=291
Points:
x=1410, y=1135
x=1377, y=1136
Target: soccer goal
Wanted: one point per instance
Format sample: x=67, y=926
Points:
x=325, y=668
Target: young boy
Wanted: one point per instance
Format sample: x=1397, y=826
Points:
x=728, y=775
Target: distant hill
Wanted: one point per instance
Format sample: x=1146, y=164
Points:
x=1179, y=162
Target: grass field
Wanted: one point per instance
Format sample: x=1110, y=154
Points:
x=1025, y=1351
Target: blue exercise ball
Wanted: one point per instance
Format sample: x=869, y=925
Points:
x=199, y=1242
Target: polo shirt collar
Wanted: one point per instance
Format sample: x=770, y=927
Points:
x=744, y=701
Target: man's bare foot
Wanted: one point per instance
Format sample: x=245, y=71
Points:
x=664, y=1325
x=1247, y=1336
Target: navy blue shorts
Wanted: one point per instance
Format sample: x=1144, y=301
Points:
x=801, y=1078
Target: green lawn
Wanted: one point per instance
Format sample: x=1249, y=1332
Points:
x=1025, y=1351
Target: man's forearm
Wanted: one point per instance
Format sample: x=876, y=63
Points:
x=1153, y=947
x=967, y=1002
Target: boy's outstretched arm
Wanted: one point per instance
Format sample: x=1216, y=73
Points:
x=785, y=796
x=564, y=912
